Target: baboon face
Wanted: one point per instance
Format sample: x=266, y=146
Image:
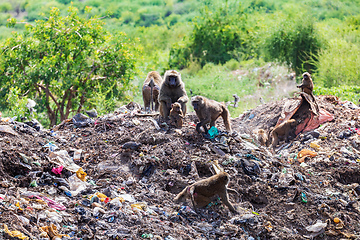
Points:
x=172, y=79
x=197, y=102
x=293, y=123
x=306, y=76
x=176, y=107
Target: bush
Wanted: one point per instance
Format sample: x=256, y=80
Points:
x=338, y=64
x=180, y=55
x=232, y=65
x=5, y=7
x=293, y=42
x=350, y=93
x=217, y=38
x=64, y=1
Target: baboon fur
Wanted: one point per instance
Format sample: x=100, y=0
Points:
x=208, y=111
x=202, y=192
x=284, y=129
x=176, y=115
x=146, y=90
x=172, y=90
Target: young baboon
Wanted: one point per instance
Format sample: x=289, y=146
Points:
x=172, y=90
x=202, y=192
x=283, y=129
x=307, y=85
x=262, y=137
x=236, y=100
x=176, y=115
x=150, y=90
x=208, y=111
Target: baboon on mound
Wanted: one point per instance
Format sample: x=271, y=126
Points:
x=284, y=129
x=172, y=90
x=152, y=82
x=208, y=111
x=202, y=192
x=262, y=137
x=307, y=85
x=176, y=115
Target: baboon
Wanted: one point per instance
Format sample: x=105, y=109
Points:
x=262, y=137
x=172, y=90
x=208, y=111
x=283, y=129
x=307, y=85
x=202, y=192
x=150, y=90
x=236, y=100
x=176, y=115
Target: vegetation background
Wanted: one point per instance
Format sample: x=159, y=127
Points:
x=252, y=48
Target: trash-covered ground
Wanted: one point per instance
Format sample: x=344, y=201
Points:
x=115, y=177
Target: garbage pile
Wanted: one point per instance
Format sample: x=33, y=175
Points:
x=115, y=177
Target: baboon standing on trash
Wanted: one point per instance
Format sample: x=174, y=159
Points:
x=202, y=192
x=208, y=111
x=307, y=85
x=172, y=90
x=151, y=89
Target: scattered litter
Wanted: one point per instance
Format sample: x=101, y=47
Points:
x=102, y=180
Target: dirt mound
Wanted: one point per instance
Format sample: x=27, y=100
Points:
x=139, y=164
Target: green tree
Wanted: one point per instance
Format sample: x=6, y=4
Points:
x=294, y=41
x=63, y=61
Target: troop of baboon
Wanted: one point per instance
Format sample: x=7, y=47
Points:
x=170, y=98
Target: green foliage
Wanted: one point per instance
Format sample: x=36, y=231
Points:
x=64, y=1
x=5, y=7
x=293, y=41
x=188, y=35
x=338, y=65
x=180, y=55
x=17, y=105
x=232, y=65
x=63, y=61
x=216, y=38
x=350, y=93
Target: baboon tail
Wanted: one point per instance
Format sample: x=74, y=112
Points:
x=226, y=118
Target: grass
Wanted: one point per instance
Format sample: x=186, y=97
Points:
x=249, y=81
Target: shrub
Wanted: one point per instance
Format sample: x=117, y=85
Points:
x=216, y=37
x=5, y=7
x=338, y=64
x=293, y=42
